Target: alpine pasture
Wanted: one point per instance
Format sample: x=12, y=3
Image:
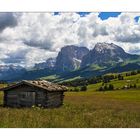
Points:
x=84, y=109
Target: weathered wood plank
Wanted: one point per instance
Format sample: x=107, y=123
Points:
x=27, y=96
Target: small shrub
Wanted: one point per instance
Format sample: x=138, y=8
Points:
x=135, y=86
x=131, y=86
x=76, y=89
x=103, y=84
x=101, y=89
x=111, y=87
x=70, y=90
x=83, y=88
x=105, y=87
x=120, y=77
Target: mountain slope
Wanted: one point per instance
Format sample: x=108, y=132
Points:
x=88, y=72
x=8, y=72
x=76, y=62
x=105, y=54
x=49, y=63
x=69, y=58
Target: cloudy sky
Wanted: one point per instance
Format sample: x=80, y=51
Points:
x=29, y=38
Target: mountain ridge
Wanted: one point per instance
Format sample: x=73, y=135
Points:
x=106, y=53
x=73, y=61
x=70, y=57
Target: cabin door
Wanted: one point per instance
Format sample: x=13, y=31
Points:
x=27, y=99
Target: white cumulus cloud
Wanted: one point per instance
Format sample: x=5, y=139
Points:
x=29, y=38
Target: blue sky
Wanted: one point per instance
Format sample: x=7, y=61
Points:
x=137, y=18
x=106, y=15
x=102, y=15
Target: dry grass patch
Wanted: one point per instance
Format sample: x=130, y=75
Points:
x=81, y=109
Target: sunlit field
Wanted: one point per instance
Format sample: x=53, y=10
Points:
x=90, y=109
x=84, y=109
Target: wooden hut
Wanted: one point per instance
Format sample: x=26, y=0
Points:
x=34, y=93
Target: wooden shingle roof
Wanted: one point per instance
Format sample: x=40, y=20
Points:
x=43, y=84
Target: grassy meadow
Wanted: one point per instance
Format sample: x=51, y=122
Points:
x=89, y=109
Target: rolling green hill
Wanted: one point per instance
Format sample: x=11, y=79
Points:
x=118, y=84
x=90, y=71
x=84, y=109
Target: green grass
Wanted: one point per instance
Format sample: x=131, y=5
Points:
x=71, y=79
x=81, y=109
x=90, y=109
x=96, y=67
x=50, y=77
x=134, y=79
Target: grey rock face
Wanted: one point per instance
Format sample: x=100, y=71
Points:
x=10, y=71
x=49, y=63
x=105, y=53
x=69, y=58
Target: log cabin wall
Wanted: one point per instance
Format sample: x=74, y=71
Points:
x=21, y=96
x=27, y=96
x=54, y=99
x=40, y=98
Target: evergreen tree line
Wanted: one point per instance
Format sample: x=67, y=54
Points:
x=106, y=87
x=82, y=88
x=129, y=86
x=98, y=79
x=111, y=87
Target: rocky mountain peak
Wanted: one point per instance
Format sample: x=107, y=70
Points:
x=69, y=58
x=49, y=63
x=102, y=46
x=10, y=71
x=105, y=53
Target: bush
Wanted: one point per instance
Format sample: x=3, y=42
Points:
x=131, y=86
x=76, y=89
x=138, y=71
x=83, y=88
x=133, y=72
x=101, y=89
x=120, y=77
x=111, y=87
x=135, y=86
x=106, y=87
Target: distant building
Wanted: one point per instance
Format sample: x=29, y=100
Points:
x=30, y=93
